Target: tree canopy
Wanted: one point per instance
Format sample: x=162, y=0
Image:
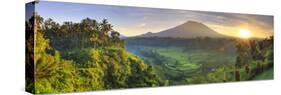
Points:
x=81, y=57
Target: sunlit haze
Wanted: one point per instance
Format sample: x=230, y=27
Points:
x=245, y=33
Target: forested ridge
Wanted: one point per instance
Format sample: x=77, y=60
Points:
x=83, y=56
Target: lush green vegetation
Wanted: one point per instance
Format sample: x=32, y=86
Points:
x=205, y=60
x=81, y=56
x=89, y=55
x=178, y=59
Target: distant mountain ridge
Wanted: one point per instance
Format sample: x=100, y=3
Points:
x=189, y=29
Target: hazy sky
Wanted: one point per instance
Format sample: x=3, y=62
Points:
x=131, y=21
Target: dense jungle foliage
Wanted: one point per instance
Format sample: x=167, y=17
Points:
x=83, y=56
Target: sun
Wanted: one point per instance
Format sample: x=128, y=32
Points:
x=245, y=33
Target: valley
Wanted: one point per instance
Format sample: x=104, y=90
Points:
x=179, y=62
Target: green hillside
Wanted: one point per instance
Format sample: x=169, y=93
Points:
x=69, y=60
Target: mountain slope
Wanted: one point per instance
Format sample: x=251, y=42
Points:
x=189, y=29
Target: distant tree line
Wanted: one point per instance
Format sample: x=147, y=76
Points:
x=189, y=43
x=87, y=33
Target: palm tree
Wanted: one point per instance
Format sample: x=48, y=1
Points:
x=105, y=26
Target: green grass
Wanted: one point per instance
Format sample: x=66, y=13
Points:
x=178, y=58
x=179, y=63
x=265, y=75
x=182, y=59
